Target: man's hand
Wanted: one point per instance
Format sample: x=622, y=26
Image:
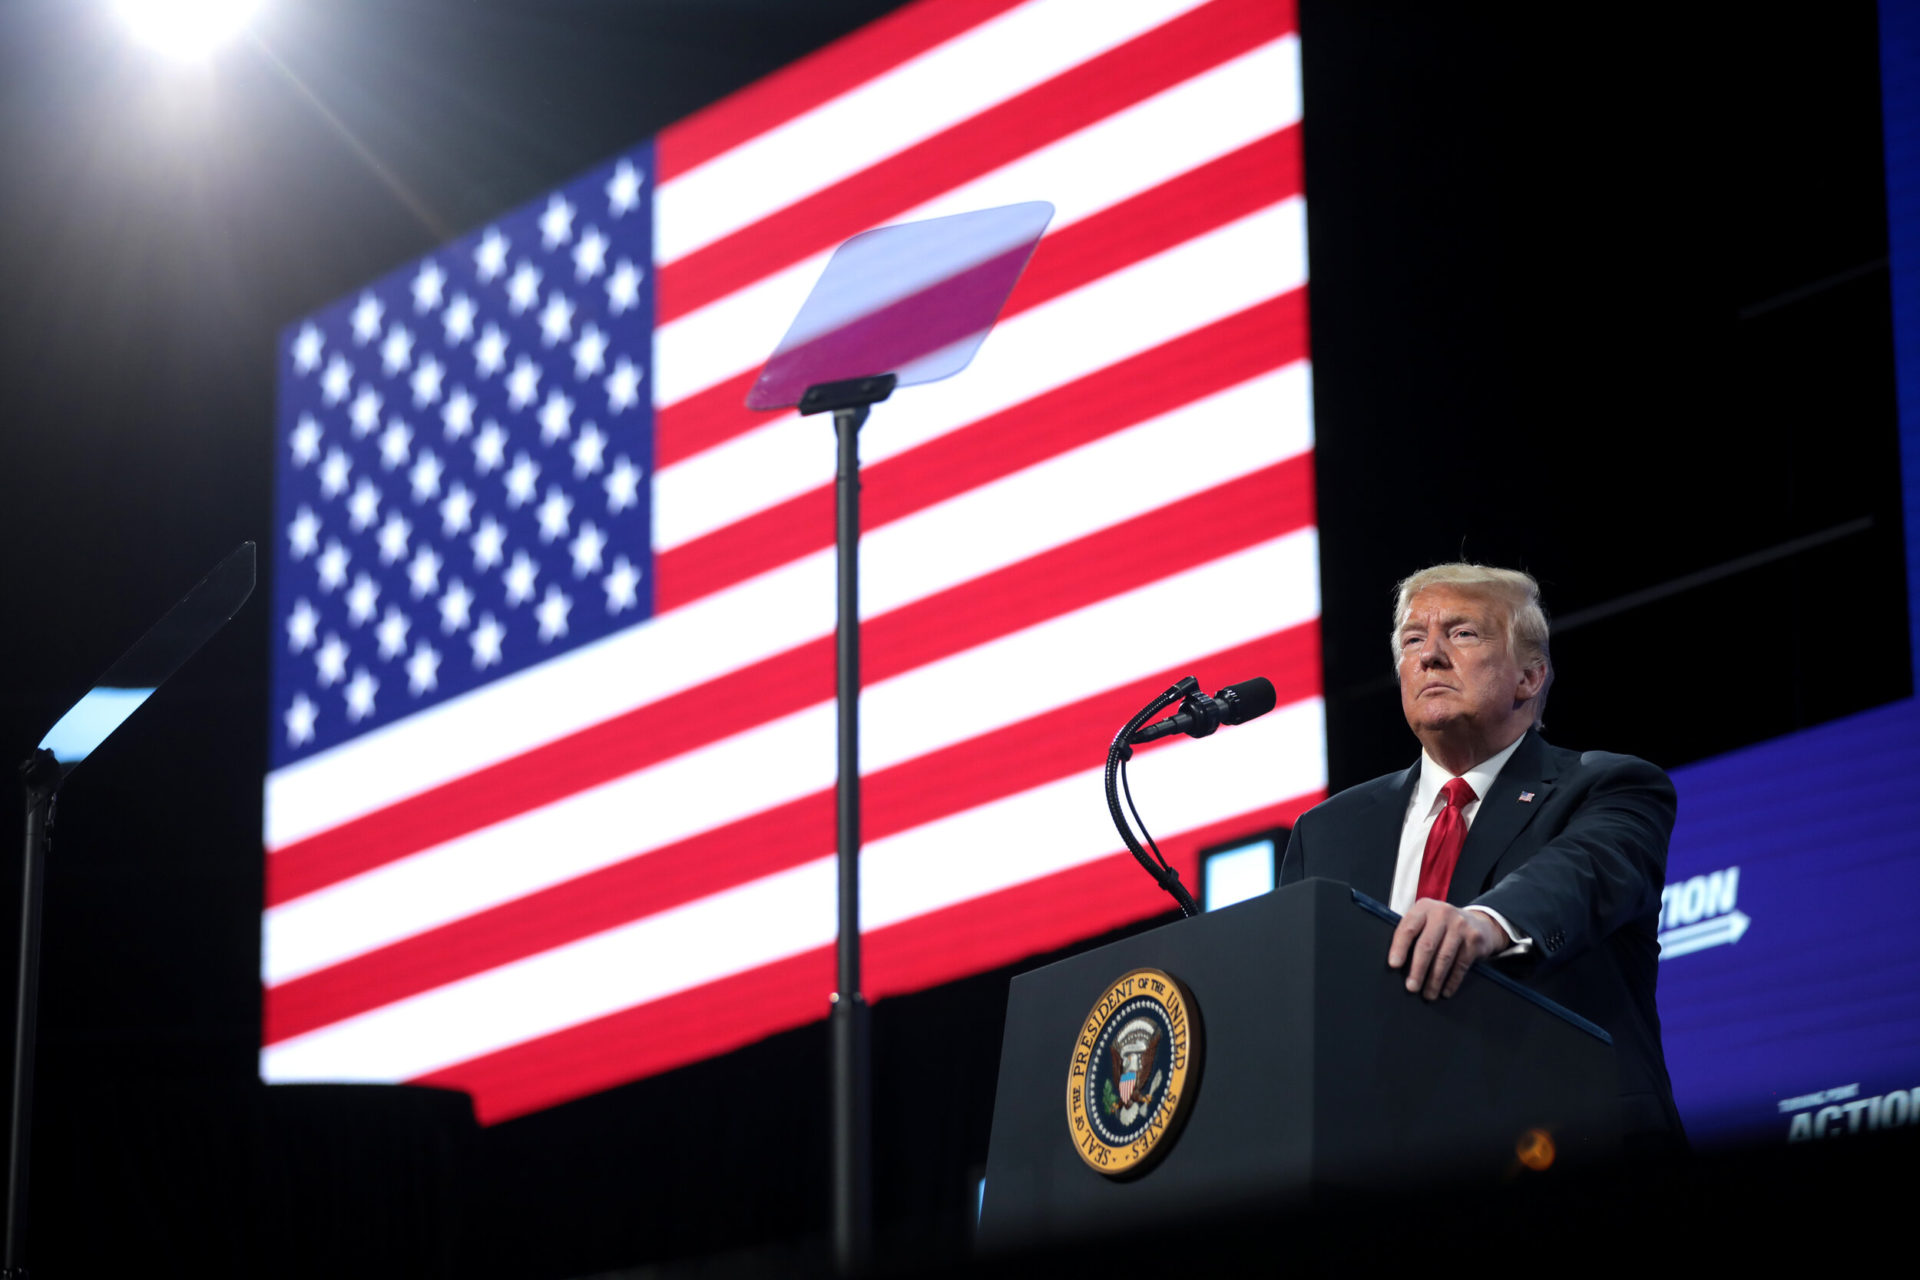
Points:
x=1438, y=943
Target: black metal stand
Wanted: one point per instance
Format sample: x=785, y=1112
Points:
x=40, y=778
x=849, y=403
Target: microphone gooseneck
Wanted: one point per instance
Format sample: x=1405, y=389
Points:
x=1199, y=716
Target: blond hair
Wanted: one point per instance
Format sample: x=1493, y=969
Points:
x=1517, y=594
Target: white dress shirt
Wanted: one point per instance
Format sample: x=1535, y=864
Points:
x=1424, y=808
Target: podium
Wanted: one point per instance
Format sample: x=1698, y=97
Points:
x=1316, y=1072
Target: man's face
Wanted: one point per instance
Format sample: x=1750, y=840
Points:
x=1459, y=678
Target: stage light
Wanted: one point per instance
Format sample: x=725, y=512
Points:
x=186, y=29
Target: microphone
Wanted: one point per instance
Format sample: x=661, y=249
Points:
x=1200, y=715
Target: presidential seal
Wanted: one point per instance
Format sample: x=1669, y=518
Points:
x=1135, y=1068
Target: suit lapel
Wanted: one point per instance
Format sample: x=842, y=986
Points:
x=1502, y=816
x=1376, y=846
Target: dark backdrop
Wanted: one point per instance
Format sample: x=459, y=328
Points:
x=1598, y=294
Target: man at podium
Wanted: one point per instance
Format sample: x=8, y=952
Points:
x=1496, y=845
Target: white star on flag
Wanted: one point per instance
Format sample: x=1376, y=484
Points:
x=520, y=577
x=554, y=513
x=306, y=441
x=366, y=319
x=587, y=451
x=622, y=586
x=393, y=538
x=423, y=572
x=427, y=286
x=300, y=717
x=523, y=288
x=303, y=535
x=556, y=319
x=623, y=288
x=425, y=476
x=590, y=255
x=302, y=626
x=623, y=189
x=396, y=444
x=486, y=640
x=490, y=353
x=552, y=614
x=426, y=382
x=363, y=600
x=307, y=348
x=336, y=381
x=392, y=633
x=489, y=543
x=589, y=352
x=330, y=662
x=332, y=566
x=586, y=547
x=396, y=349
x=622, y=486
x=556, y=224
x=455, y=605
x=456, y=416
x=423, y=668
x=556, y=417
x=523, y=384
x=363, y=508
x=490, y=259
x=456, y=510
x=334, y=474
x=365, y=411
x=457, y=320
x=623, y=386
x=360, y=691
x=489, y=448
x=520, y=479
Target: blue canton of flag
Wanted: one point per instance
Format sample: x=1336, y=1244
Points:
x=465, y=455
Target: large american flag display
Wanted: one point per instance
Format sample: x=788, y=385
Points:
x=551, y=795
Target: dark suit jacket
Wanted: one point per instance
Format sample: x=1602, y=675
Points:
x=1578, y=868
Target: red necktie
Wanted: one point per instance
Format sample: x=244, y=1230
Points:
x=1444, y=841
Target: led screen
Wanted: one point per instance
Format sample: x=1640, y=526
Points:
x=551, y=794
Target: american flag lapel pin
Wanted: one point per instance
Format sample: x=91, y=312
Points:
x=1526, y=797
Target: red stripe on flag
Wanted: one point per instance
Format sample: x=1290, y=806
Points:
x=1119, y=558
x=990, y=931
x=1242, y=182
x=1072, y=100
x=895, y=799
x=1224, y=354
x=818, y=78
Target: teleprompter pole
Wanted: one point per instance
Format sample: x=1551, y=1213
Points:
x=39, y=776
x=849, y=401
x=852, y=1112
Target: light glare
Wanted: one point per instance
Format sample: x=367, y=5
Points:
x=185, y=28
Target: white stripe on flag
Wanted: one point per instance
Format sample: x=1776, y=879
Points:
x=1009, y=841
